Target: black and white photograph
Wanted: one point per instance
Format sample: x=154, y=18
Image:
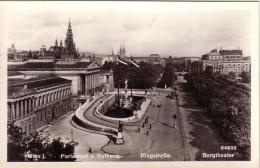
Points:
x=131, y=82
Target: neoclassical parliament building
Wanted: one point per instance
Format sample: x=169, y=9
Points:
x=42, y=90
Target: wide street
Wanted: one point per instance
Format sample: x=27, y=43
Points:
x=199, y=132
x=184, y=140
x=162, y=137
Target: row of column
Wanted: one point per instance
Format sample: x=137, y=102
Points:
x=92, y=81
x=22, y=107
x=52, y=96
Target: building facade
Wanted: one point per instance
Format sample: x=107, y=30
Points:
x=155, y=59
x=33, y=103
x=106, y=80
x=16, y=55
x=85, y=76
x=224, y=62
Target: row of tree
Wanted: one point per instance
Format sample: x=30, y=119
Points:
x=245, y=77
x=143, y=77
x=229, y=107
x=31, y=148
x=168, y=77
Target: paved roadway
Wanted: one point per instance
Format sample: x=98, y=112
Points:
x=165, y=138
x=86, y=140
x=200, y=133
x=162, y=137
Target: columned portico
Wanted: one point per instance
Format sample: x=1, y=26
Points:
x=12, y=111
x=25, y=107
x=17, y=115
x=22, y=108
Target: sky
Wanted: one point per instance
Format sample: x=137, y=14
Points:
x=176, y=29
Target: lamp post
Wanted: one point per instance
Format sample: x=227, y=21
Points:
x=71, y=135
x=174, y=121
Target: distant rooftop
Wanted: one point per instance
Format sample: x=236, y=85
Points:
x=196, y=63
x=51, y=66
x=105, y=71
x=231, y=52
x=21, y=87
x=13, y=73
x=213, y=52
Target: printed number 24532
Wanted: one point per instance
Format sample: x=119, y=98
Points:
x=228, y=147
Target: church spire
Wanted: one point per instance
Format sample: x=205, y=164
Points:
x=70, y=46
x=61, y=45
x=69, y=30
x=56, y=43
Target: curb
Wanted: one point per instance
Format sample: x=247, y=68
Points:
x=185, y=145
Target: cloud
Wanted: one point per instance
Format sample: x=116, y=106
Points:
x=165, y=30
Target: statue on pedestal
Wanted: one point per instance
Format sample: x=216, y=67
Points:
x=126, y=84
x=120, y=139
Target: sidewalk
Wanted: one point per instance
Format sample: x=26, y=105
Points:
x=85, y=140
x=199, y=131
x=134, y=143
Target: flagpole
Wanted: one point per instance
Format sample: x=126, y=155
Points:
x=118, y=99
x=131, y=77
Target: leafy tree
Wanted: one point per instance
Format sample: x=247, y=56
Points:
x=16, y=143
x=232, y=76
x=69, y=149
x=228, y=104
x=209, y=71
x=246, y=77
x=55, y=149
x=19, y=144
x=36, y=145
x=168, y=77
x=139, y=78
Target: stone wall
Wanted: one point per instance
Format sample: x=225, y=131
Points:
x=103, y=107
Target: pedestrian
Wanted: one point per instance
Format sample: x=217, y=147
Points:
x=143, y=125
x=138, y=130
x=89, y=150
x=150, y=126
x=174, y=121
x=147, y=133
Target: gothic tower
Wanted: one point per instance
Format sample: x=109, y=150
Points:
x=122, y=51
x=61, y=45
x=56, y=43
x=69, y=43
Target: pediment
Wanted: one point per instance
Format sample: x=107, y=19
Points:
x=94, y=65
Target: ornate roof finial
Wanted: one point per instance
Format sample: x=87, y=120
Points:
x=61, y=43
